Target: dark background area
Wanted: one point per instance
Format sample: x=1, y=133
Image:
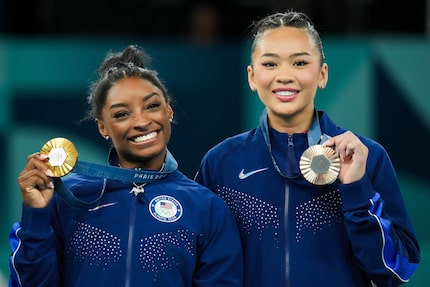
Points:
x=225, y=20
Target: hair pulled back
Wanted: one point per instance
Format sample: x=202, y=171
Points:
x=131, y=62
x=286, y=19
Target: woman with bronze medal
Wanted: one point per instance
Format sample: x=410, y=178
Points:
x=135, y=222
x=316, y=205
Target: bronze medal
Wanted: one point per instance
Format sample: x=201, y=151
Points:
x=320, y=165
x=62, y=156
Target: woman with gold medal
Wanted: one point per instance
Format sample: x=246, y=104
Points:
x=145, y=224
x=316, y=205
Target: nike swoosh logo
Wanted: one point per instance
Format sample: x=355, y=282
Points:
x=101, y=206
x=243, y=175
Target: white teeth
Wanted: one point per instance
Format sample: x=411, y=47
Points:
x=285, y=93
x=145, y=137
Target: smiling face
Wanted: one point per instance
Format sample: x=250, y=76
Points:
x=136, y=116
x=286, y=71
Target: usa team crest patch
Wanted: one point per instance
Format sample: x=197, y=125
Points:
x=165, y=208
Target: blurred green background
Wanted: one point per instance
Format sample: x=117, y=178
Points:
x=378, y=87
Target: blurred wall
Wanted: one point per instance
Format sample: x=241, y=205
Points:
x=378, y=87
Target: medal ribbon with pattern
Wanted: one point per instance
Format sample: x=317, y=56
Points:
x=63, y=159
x=319, y=164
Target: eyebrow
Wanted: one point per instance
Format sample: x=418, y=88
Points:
x=292, y=56
x=145, y=98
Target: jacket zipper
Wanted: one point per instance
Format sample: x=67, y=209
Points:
x=130, y=242
x=287, y=249
x=290, y=160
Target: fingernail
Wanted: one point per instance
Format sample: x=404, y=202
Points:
x=43, y=156
x=51, y=185
x=48, y=172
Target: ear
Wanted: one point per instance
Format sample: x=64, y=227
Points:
x=322, y=83
x=170, y=111
x=101, y=127
x=251, y=82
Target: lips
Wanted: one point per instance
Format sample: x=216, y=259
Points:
x=285, y=95
x=144, y=138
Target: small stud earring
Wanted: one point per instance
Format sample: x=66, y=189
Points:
x=106, y=137
x=171, y=119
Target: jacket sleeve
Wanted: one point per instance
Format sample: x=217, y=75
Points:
x=202, y=175
x=378, y=224
x=220, y=261
x=33, y=261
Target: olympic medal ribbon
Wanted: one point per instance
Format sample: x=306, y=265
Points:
x=63, y=159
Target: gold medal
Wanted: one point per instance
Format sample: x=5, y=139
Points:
x=62, y=156
x=320, y=165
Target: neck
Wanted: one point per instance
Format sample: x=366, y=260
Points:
x=291, y=124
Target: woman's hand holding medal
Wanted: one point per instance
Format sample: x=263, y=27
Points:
x=353, y=156
x=56, y=158
x=35, y=181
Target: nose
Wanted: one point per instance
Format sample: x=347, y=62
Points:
x=142, y=121
x=285, y=74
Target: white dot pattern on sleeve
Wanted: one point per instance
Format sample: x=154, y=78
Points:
x=166, y=250
x=318, y=213
x=253, y=214
x=94, y=244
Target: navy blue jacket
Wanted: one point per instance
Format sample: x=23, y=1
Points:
x=298, y=234
x=177, y=233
